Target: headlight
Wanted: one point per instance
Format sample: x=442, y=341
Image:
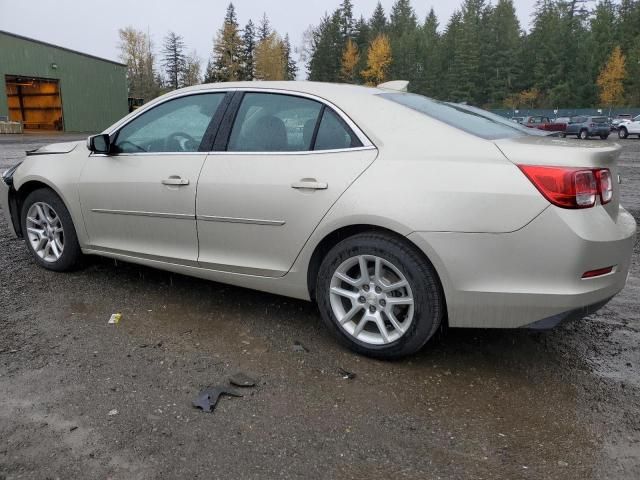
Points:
x=7, y=176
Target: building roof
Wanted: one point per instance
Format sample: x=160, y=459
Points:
x=33, y=40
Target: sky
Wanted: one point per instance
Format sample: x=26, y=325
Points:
x=92, y=26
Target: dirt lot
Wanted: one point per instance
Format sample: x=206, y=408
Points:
x=475, y=404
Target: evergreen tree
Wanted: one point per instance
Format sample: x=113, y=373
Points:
x=291, y=69
x=248, y=51
x=362, y=32
x=403, y=18
x=406, y=43
x=378, y=22
x=325, y=62
x=173, y=60
x=227, y=50
x=264, y=29
x=429, y=80
x=346, y=20
x=452, y=67
x=504, y=45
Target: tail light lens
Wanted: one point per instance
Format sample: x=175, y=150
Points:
x=605, y=184
x=571, y=187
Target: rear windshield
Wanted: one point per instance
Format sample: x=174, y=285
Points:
x=469, y=119
x=599, y=120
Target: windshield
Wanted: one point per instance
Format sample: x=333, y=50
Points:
x=470, y=119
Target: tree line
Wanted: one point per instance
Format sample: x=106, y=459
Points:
x=252, y=53
x=578, y=53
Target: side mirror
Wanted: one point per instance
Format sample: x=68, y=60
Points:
x=99, y=144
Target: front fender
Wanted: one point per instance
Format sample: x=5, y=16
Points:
x=60, y=173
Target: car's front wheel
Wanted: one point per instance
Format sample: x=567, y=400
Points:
x=379, y=295
x=583, y=135
x=49, y=232
x=623, y=133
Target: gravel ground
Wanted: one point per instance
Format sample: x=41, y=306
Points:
x=474, y=404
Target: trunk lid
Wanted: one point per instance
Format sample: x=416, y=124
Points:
x=560, y=152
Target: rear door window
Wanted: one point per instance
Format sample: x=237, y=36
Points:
x=269, y=122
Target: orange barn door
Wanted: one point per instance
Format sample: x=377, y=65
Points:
x=35, y=102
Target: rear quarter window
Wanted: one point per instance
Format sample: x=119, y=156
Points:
x=457, y=116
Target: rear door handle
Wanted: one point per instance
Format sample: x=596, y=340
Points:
x=175, y=181
x=309, y=184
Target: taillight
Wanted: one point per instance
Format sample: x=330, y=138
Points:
x=605, y=185
x=571, y=187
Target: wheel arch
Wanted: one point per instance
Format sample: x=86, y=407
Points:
x=334, y=237
x=17, y=196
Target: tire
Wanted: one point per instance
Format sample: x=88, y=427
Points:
x=604, y=137
x=419, y=318
x=583, y=135
x=563, y=135
x=623, y=133
x=46, y=222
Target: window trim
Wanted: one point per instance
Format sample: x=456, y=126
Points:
x=235, y=94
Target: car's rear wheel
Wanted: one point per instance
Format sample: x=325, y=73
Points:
x=379, y=296
x=49, y=232
x=623, y=133
x=583, y=135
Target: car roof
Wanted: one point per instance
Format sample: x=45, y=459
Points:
x=320, y=89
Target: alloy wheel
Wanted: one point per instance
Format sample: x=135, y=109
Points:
x=371, y=300
x=45, y=232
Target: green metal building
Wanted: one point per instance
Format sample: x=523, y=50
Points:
x=54, y=88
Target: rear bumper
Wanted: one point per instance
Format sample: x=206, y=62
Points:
x=4, y=204
x=516, y=279
x=576, y=314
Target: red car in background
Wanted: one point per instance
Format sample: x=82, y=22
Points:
x=543, y=123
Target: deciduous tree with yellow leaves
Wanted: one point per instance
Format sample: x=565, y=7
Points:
x=350, y=59
x=611, y=78
x=270, y=59
x=378, y=60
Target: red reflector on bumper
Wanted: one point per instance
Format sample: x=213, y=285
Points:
x=597, y=273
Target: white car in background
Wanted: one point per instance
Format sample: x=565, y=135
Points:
x=629, y=127
x=396, y=213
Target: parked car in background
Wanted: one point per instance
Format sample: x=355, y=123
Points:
x=543, y=123
x=517, y=119
x=618, y=119
x=584, y=127
x=445, y=216
x=629, y=127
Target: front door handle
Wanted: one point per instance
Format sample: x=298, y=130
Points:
x=309, y=184
x=175, y=181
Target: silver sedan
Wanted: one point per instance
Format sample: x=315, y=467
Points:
x=396, y=213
